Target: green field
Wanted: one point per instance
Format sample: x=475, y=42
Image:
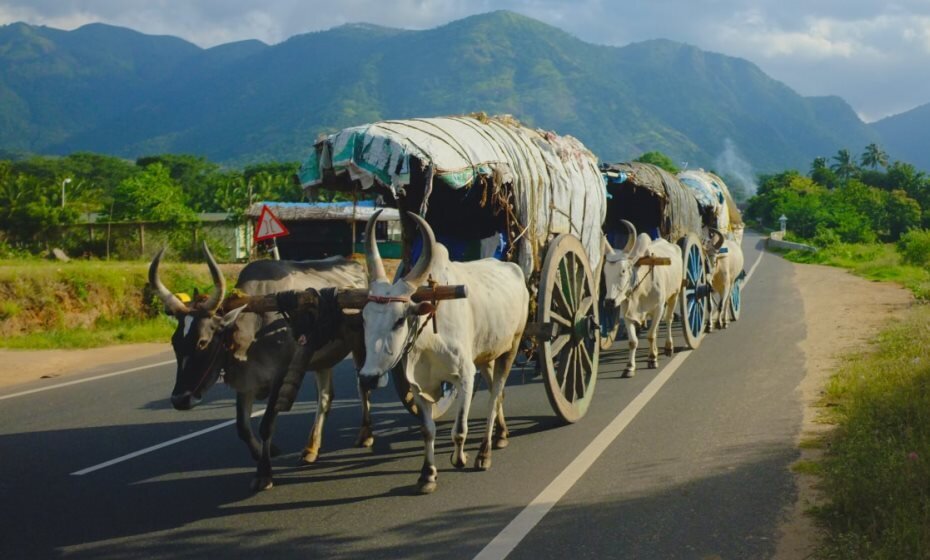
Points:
x=86, y=304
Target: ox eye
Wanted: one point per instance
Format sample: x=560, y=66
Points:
x=398, y=324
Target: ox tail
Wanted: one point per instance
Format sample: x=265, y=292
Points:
x=289, y=389
x=742, y=275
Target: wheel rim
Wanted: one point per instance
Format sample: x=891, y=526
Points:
x=736, y=301
x=693, y=301
x=568, y=300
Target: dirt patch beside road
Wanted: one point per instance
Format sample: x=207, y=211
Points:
x=20, y=366
x=842, y=313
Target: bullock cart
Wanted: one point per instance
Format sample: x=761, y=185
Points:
x=657, y=203
x=490, y=187
x=718, y=211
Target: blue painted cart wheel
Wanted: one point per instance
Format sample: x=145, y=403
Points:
x=736, y=299
x=693, y=300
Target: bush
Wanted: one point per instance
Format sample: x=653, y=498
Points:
x=914, y=247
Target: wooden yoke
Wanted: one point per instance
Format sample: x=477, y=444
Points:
x=354, y=298
x=654, y=261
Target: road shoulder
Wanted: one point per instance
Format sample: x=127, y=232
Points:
x=842, y=313
x=22, y=366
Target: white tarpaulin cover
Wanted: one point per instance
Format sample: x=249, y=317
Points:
x=555, y=180
x=711, y=191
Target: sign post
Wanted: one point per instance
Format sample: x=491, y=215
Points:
x=270, y=227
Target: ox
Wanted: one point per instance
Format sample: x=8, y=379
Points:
x=643, y=291
x=727, y=258
x=483, y=330
x=254, y=350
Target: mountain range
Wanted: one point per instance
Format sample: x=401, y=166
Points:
x=113, y=90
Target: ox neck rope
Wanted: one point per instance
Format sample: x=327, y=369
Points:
x=206, y=371
x=413, y=331
x=641, y=280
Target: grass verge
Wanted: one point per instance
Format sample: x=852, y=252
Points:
x=876, y=473
x=107, y=333
x=85, y=304
x=874, y=261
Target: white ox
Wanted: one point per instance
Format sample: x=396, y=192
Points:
x=483, y=330
x=643, y=291
x=727, y=256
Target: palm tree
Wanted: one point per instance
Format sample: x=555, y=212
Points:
x=874, y=156
x=819, y=162
x=845, y=166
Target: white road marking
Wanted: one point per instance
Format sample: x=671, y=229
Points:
x=521, y=525
x=95, y=378
x=135, y=454
x=753, y=269
x=508, y=539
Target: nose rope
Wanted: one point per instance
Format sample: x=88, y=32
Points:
x=206, y=372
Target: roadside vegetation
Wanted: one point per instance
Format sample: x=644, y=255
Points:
x=83, y=304
x=875, y=473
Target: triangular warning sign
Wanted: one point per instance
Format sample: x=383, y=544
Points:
x=268, y=226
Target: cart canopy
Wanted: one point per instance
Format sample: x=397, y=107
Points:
x=712, y=193
x=553, y=180
x=679, y=209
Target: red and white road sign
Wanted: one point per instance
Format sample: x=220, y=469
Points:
x=268, y=226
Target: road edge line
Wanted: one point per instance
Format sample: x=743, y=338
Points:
x=85, y=380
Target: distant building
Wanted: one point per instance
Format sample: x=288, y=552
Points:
x=324, y=229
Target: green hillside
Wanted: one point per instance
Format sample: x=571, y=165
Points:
x=908, y=135
x=115, y=91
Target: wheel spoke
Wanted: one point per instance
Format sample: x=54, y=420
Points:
x=587, y=368
x=556, y=318
x=563, y=366
x=558, y=300
x=559, y=343
x=585, y=305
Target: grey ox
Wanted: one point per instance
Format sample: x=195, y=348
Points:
x=727, y=257
x=254, y=350
x=483, y=330
x=643, y=291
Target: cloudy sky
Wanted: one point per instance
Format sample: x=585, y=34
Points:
x=874, y=54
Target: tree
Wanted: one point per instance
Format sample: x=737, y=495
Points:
x=903, y=213
x=845, y=166
x=874, y=156
x=821, y=174
x=660, y=160
x=151, y=195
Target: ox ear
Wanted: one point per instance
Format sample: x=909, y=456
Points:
x=423, y=308
x=230, y=318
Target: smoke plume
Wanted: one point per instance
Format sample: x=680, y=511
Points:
x=736, y=172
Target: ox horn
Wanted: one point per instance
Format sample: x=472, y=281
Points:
x=631, y=240
x=417, y=275
x=219, y=283
x=171, y=301
x=720, y=238
x=372, y=256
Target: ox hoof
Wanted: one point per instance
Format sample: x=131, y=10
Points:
x=365, y=440
x=459, y=462
x=426, y=486
x=629, y=372
x=501, y=443
x=483, y=462
x=652, y=364
x=307, y=458
x=669, y=351
x=261, y=483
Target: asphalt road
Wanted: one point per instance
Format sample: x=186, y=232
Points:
x=688, y=461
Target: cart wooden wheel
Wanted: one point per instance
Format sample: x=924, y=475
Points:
x=568, y=302
x=402, y=386
x=736, y=299
x=693, y=298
